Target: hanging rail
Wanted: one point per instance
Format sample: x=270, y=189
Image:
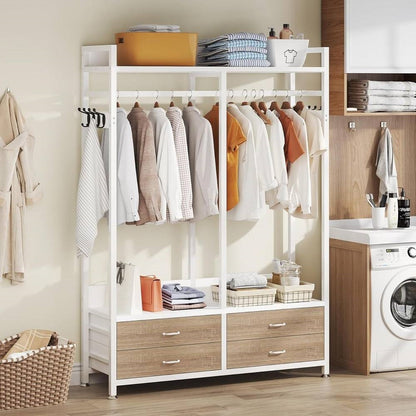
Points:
x=249, y=93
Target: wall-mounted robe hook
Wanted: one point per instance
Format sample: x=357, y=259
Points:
x=351, y=125
x=383, y=124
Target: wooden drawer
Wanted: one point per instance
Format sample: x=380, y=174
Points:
x=168, y=332
x=168, y=360
x=252, y=325
x=269, y=351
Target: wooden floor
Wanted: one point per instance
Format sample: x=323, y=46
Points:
x=285, y=393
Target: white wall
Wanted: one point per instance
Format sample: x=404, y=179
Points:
x=40, y=61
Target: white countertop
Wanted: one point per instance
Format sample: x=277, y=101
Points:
x=361, y=231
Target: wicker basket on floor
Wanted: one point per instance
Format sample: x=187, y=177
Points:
x=41, y=378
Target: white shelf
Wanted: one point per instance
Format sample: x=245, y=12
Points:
x=201, y=70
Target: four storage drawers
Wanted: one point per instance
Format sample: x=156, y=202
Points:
x=181, y=345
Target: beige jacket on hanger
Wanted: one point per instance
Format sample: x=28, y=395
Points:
x=18, y=186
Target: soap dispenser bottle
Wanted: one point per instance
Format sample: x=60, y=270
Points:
x=286, y=32
x=272, y=34
x=403, y=205
x=392, y=210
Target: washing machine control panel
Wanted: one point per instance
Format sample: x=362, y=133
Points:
x=392, y=256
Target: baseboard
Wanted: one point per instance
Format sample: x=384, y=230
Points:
x=95, y=378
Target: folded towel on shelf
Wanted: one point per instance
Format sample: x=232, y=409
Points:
x=184, y=307
x=237, y=62
x=246, y=280
x=382, y=85
x=374, y=108
x=208, y=53
x=154, y=28
x=261, y=37
x=235, y=56
x=353, y=99
x=177, y=291
x=387, y=93
x=229, y=44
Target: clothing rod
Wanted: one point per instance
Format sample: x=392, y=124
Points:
x=252, y=93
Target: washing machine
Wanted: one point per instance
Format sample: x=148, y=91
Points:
x=393, y=307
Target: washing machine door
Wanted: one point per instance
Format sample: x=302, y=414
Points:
x=398, y=304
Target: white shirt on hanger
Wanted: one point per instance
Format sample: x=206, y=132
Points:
x=277, y=147
x=202, y=163
x=317, y=146
x=167, y=165
x=299, y=178
x=127, y=187
x=265, y=169
x=248, y=181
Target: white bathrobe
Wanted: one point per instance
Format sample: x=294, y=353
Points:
x=18, y=186
x=386, y=166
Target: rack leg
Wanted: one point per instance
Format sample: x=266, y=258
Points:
x=325, y=371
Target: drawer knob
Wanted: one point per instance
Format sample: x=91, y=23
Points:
x=277, y=325
x=277, y=352
x=171, y=362
x=171, y=334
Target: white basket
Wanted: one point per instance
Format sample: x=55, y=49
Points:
x=287, y=52
x=292, y=294
x=246, y=297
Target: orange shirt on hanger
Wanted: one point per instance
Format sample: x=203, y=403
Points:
x=293, y=147
x=235, y=137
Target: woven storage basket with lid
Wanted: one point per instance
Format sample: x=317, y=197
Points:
x=40, y=378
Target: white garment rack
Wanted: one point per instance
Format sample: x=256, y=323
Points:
x=95, y=318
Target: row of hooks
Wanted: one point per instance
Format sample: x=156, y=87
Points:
x=245, y=93
x=352, y=127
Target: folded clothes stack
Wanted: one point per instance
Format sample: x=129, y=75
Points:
x=154, y=28
x=374, y=96
x=246, y=280
x=178, y=297
x=234, y=49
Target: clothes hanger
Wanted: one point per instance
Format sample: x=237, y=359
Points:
x=189, y=99
x=171, y=104
x=232, y=96
x=286, y=104
x=299, y=107
x=260, y=113
x=245, y=94
x=273, y=105
x=136, y=104
x=263, y=107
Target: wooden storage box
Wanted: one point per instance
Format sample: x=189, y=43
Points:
x=246, y=297
x=149, y=48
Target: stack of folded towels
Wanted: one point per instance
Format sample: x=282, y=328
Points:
x=246, y=281
x=178, y=297
x=374, y=96
x=235, y=49
x=155, y=28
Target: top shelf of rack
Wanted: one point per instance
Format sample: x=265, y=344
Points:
x=103, y=58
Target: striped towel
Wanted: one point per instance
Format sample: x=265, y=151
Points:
x=92, y=200
x=237, y=56
x=379, y=99
x=239, y=63
x=247, y=43
x=261, y=37
x=387, y=93
x=374, y=108
x=210, y=52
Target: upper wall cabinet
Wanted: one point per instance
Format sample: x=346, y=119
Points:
x=368, y=39
x=380, y=36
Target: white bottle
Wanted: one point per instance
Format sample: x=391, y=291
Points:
x=392, y=211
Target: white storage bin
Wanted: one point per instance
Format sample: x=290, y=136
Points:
x=287, y=52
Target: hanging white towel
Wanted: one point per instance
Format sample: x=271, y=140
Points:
x=386, y=166
x=92, y=200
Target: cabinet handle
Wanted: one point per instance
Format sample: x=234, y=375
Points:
x=277, y=325
x=171, y=334
x=171, y=362
x=277, y=352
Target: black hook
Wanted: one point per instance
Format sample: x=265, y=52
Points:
x=83, y=111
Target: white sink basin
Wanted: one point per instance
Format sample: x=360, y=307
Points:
x=362, y=231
